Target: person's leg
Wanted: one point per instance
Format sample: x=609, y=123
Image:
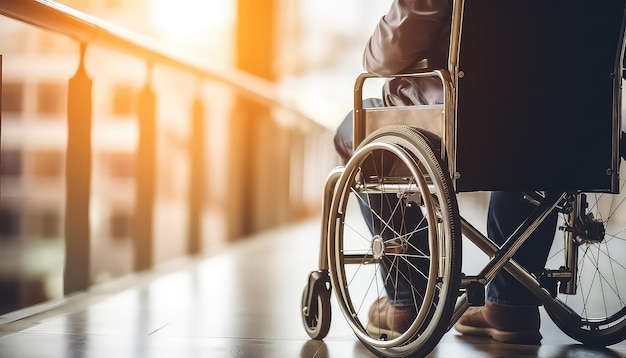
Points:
x=400, y=274
x=511, y=313
x=398, y=217
x=403, y=275
x=343, y=136
x=506, y=213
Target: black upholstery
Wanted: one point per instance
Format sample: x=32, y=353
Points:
x=535, y=101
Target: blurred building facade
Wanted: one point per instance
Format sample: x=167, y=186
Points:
x=36, y=68
x=315, y=57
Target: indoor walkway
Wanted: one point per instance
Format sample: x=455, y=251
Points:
x=242, y=302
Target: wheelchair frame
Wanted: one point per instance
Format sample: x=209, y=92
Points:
x=579, y=227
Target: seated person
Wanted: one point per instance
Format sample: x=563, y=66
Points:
x=411, y=31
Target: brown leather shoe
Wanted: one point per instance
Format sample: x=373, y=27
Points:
x=502, y=323
x=387, y=320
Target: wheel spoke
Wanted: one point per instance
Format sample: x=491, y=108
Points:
x=600, y=275
x=384, y=252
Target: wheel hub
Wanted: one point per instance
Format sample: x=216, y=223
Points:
x=378, y=247
x=589, y=230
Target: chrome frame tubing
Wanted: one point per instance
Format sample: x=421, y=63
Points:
x=329, y=193
x=571, y=245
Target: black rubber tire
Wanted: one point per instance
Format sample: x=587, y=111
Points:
x=317, y=324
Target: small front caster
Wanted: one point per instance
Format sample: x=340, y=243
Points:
x=316, y=313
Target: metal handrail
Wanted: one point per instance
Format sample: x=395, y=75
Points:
x=86, y=29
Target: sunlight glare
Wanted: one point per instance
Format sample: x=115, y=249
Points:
x=190, y=21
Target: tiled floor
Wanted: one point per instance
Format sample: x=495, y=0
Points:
x=244, y=302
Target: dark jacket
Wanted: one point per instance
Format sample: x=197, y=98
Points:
x=411, y=31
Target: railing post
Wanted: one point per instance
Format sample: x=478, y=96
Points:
x=78, y=180
x=0, y=95
x=196, y=178
x=242, y=164
x=255, y=54
x=145, y=178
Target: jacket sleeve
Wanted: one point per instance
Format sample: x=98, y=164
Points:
x=405, y=35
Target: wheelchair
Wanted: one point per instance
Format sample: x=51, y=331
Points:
x=532, y=104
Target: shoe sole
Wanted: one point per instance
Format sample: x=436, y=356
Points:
x=517, y=337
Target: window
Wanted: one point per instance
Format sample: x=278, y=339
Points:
x=9, y=222
x=51, y=98
x=48, y=163
x=49, y=223
x=120, y=225
x=11, y=162
x=12, y=97
x=121, y=165
x=43, y=223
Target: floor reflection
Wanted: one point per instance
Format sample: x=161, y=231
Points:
x=244, y=302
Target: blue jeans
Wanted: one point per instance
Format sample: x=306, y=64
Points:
x=506, y=212
x=399, y=275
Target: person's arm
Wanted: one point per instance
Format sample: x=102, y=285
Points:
x=405, y=35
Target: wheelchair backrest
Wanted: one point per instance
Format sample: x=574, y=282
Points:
x=538, y=95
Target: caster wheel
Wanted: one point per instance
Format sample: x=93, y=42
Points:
x=316, y=315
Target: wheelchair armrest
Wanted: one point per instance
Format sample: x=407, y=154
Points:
x=420, y=68
x=438, y=115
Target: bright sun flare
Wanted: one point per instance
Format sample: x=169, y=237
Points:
x=190, y=20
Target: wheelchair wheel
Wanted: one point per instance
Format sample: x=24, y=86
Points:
x=316, y=316
x=596, y=314
x=394, y=234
